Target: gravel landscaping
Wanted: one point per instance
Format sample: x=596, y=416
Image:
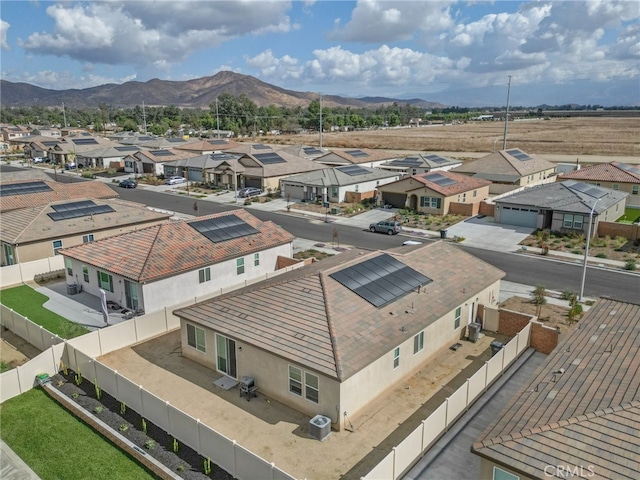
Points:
x=185, y=462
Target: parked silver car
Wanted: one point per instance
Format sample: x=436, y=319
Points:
x=386, y=226
x=175, y=179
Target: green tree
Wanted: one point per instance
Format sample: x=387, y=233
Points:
x=538, y=298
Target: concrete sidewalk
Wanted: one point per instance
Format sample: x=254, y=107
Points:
x=12, y=467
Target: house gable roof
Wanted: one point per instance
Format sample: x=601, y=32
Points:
x=57, y=192
x=501, y=166
x=461, y=183
x=346, y=156
x=336, y=176
x=308, y=317
x=165, y=250
x=421, y=160
x=587, y=415
x=606, y=172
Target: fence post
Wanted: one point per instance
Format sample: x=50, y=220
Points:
x=517, y=344
x=467, y=402
x=395, y=475
x=486, y=374
x=446, y=414
x=235, y=459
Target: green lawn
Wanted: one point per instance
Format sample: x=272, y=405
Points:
x=28, y=303
x=630, y=215
x=57, y=445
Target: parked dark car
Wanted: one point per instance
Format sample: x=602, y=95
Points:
x=249, y=192
x=70, y=166
x=128, y=183
x=386, y=226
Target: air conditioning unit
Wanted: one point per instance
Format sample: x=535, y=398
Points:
x=319, y=427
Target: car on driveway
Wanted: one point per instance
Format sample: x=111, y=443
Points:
x=70, y=166
x=386, y=226
x=175, y=179
x=249, y=192
x=38, y=160
x=128, y=183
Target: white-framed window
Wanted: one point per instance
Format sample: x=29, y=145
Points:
x=396, y=357
x=311, y=387
x=87, y=238
x=430, y=202
x=475, y=193
x=196, y=337
x=68, y=263
x=295, y=380
x=85, y=273
x=418, y=342
x=572, y=221
x=458, y=316
x=500, y=474
x=204, y=275
x=57, y=245
x=356, y=188
x=105, y=281
x=256, y=259
x=240, y=266
x=334, y=192
x=635, y=189
x=615, y=186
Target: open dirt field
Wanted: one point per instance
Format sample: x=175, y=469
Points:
x=569, y=136
x=14, y=351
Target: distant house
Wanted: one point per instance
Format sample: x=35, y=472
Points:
x=38, y=232
x=14, y=132
x=46, y=132
x=509, y=170
x=165, y=265
x=561, y=206
x=111, y=156
x=355, y=156
x=331, y=337
x=614, y=175
x=420, y=163
x=579, y=415
x=435, y=192
x=73, y=147
x=215, y=168
x=152, y=162
x=208, y=146
x=334, y=184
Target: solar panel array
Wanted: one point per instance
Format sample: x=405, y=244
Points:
x=176, y=140
x=145, y=138
x=260, y=146
x=312, y=151
x=406, y=162
x=519, y=154
x=437, y=159
x=83, y=208
x=356, y=153
x=221, y=229
x=218, y=142
x=221, y=156
x=162, y=153
x=353, y=170
x=23, y=188
x=127, y=148
x=269, y=158
x=439, y=179
x=587, y=189
x=629, y=168
x=50, y=143
x=84, y=141
x=380, y=280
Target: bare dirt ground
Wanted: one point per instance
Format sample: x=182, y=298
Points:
x=619, y=249
x=570, y=136
x=550, y=314
x=14, y=351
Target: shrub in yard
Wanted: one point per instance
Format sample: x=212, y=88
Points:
x=150, y=444
x=631, y=264
x=98, y=409
x=601, y=255
x=576, y=252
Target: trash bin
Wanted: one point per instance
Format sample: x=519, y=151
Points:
x=72, y=289
x=496, y=347
x=443, y=234
x=474, y=331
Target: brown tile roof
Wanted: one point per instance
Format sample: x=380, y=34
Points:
x=606, y=172
x=58, y=192
x=464, y=183
x=310, y=318
x=501, y=163
x=587, y=415
x=372, y=155
x=33, y=224
x=162, y=251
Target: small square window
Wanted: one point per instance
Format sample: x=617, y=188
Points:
x=57, y=245
x=87, y=238
x=204, y=275
x=635, y=189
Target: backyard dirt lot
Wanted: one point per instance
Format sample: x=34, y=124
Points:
x=15, y=351
x=569, y=136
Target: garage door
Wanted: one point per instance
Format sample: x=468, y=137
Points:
x=523, y=217
x=252, y=182
x=398, y=200
x=295, y=192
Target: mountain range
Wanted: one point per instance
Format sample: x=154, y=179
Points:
x=196, y=93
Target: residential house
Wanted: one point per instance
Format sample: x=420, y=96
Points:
x=355, y=156
x=151, y=162
x=156, y=143
x=10, y=133
x=39, y=146
x=330, y=337
x=165, y=265
x=350, y=183
x=38, y=232
x=50, y=132
x=32, y=193
x=561, y=206
x=613, y=175
x=436, y=193
x=420, y=163
x=72, y=148
x=217, y=169
x=131, y=138
x=509, y=170
x=111, y=156
x=208, y=146
x=579, y=416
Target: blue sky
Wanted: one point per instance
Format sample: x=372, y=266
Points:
x=456, y=53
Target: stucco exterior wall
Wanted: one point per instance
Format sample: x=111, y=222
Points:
x=609, y=215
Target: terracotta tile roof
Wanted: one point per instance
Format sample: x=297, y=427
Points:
x=587, y=415
x=310, y=318
x=503, y=165
x=58, y=192
x=162, y=251
x=33, y=224
x=606, y=172
x=463, y=183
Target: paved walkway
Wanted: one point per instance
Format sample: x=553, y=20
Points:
x=12, y=467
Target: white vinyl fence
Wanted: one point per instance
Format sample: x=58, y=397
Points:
x=403, y=456
x=24, y=272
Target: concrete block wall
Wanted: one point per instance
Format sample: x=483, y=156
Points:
x=544, y=339
x=510, y=322
x=467, y=209
x=487, y=209
x=631, y=232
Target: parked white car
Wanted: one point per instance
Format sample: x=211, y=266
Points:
x=174, y=179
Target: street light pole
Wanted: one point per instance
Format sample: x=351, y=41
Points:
x=586, y=250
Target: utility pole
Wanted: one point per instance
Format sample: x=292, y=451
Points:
x=506, y=117
x=217, y=119
x=64, y=116
x=144, y=119
x=321, y=121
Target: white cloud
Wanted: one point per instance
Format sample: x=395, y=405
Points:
x=4, y=26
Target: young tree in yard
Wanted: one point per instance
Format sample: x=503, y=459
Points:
x=575, y=308
x=538, y=298
x=542, y=237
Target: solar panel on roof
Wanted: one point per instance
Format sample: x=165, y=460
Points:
x=162, y=153
x=50, y=143
x=126, y=149
x=218, y=142
x=437, y=159
x=406, y=162
x=588, y=189
x=269, y=158
x=629, y=168
x=380, y=280
x=439, y=179
x=519, y=154
x=353, y=170
x=312, y=151
x=356, y=153
x=260, y=146
x=145, y=138
x=23, y=188
x=221, y=229
x=84, y=141
x=176, y=140
x=83, y=208
x=85, y=134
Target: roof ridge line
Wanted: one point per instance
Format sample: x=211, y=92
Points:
x=332, y=332
x=155, y=239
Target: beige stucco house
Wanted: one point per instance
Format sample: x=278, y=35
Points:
x=434, y=192
x=329, y=338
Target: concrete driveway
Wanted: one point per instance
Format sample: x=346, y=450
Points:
x=484, y=233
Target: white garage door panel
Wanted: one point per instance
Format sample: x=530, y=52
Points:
x=523, y=217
